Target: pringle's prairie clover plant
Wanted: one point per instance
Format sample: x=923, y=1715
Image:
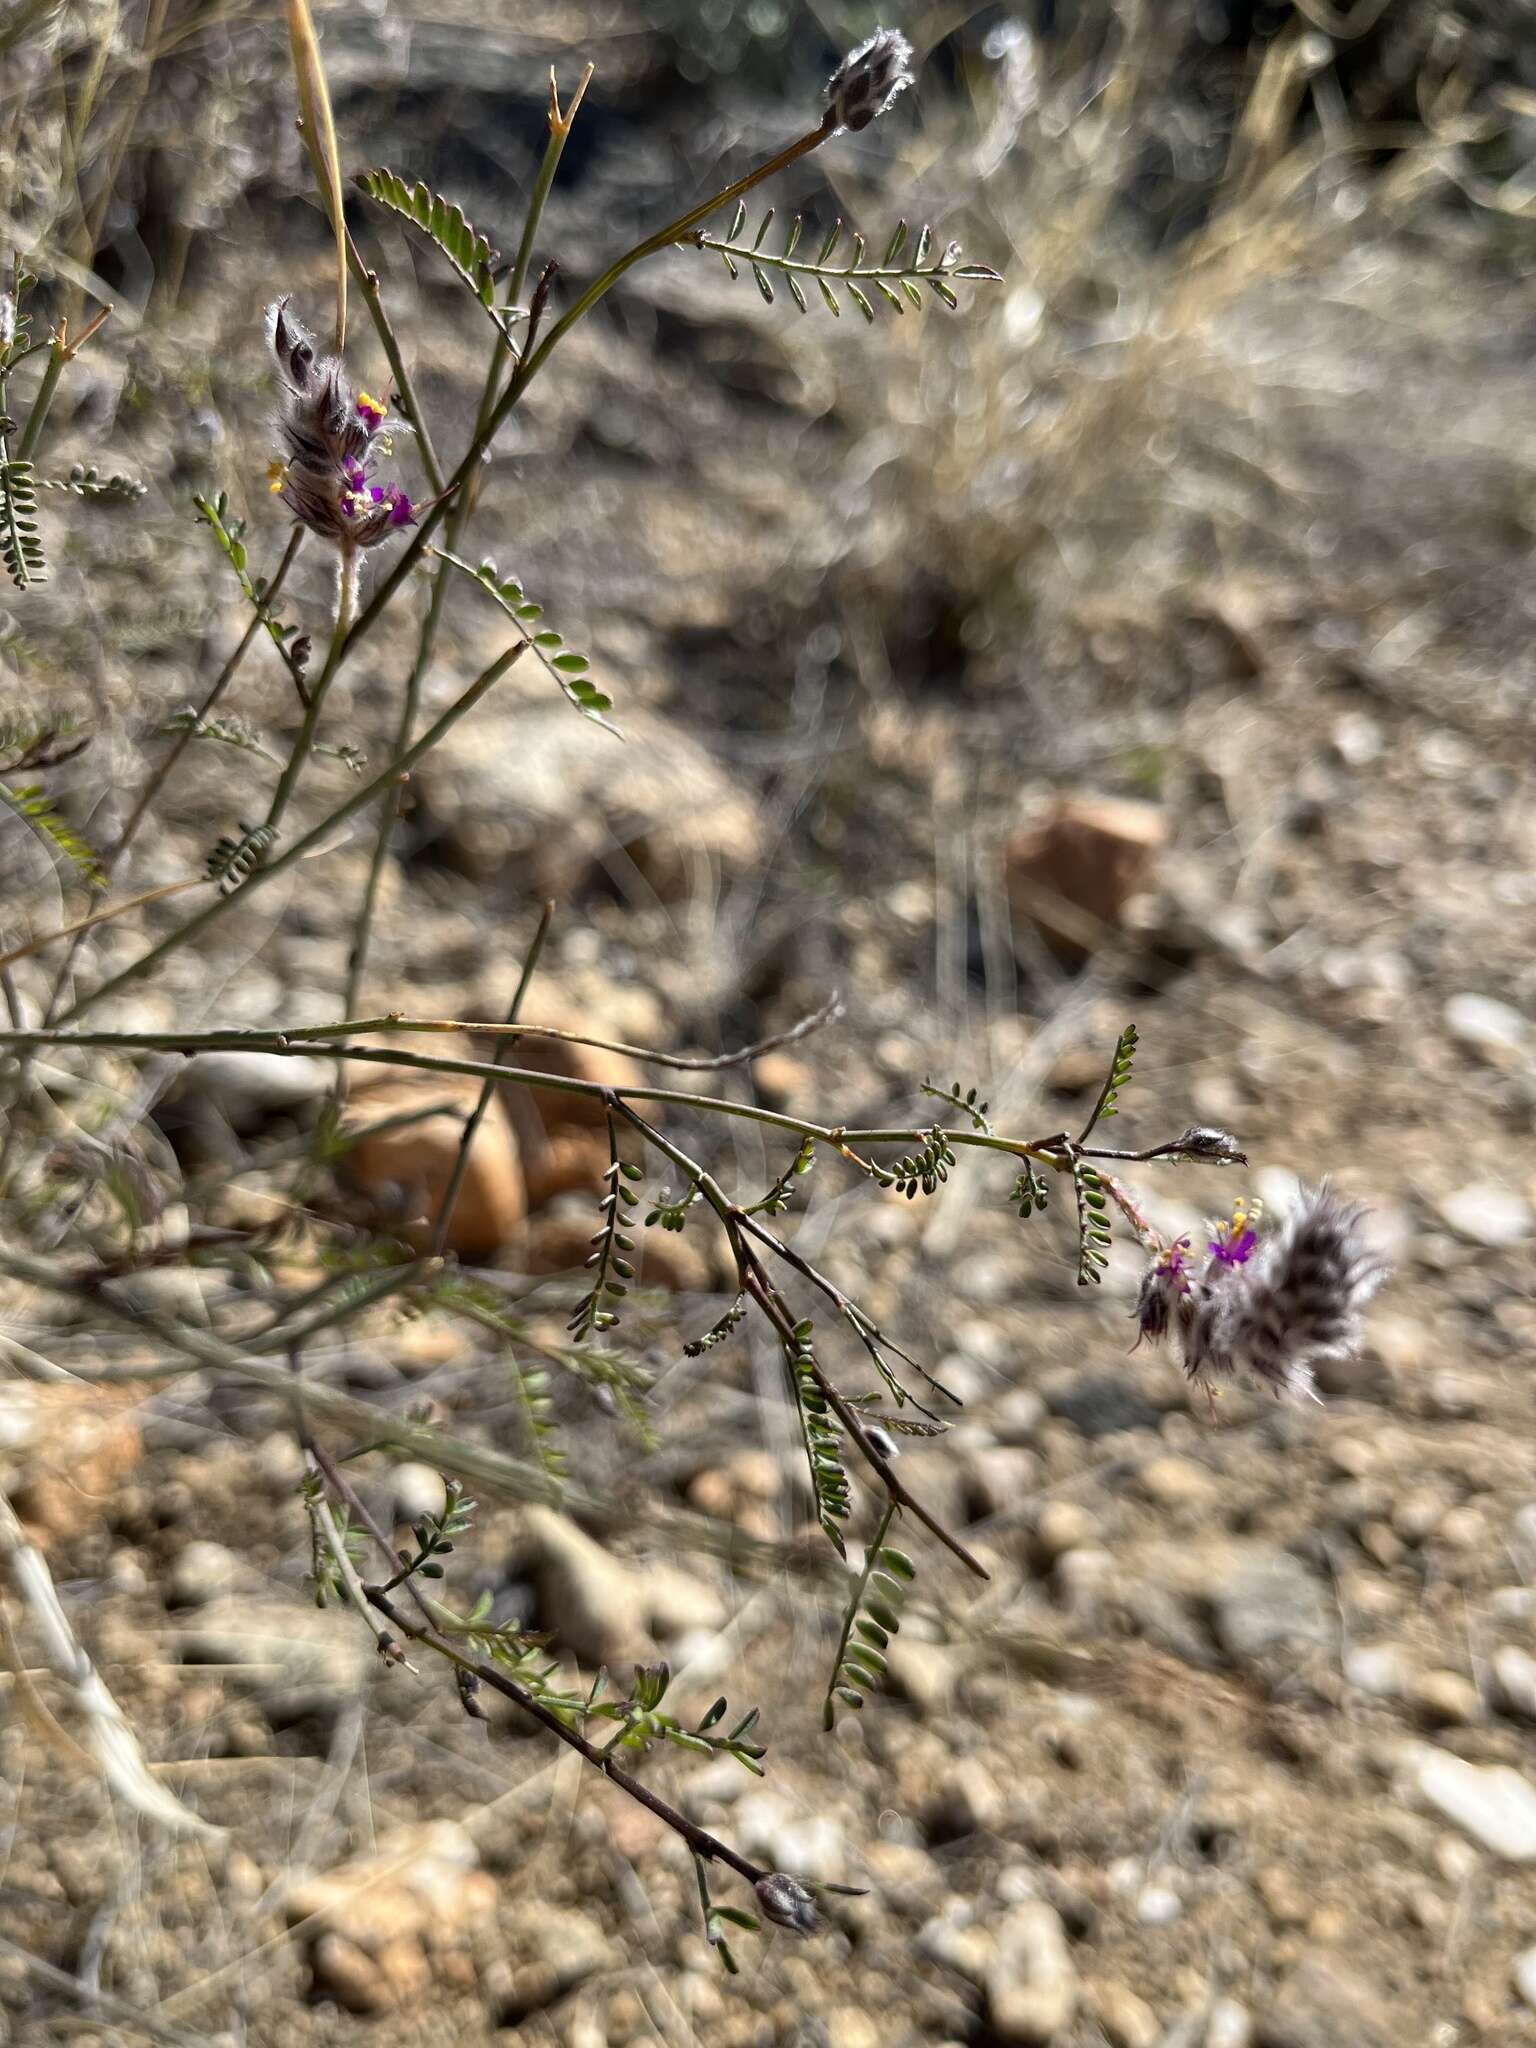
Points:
x=79, y=1218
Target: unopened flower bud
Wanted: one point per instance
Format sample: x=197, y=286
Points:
x=786, y=1902
x=881, y=1440
x=869, y=80
x=1203, y=1141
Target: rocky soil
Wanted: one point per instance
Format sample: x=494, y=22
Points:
x=1237, y=1748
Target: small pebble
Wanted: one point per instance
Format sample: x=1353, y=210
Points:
x=1230, y=2025
x=201, y=1573
x=1492, y=1803
x=1158, y=1906
x=1489, y=1214
x=1381, y=1669
x=1514, y=1678
x=1062, y=1526
x=1444, y=1699
x=1491, y=1028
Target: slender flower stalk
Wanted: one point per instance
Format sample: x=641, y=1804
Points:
x=459, y=510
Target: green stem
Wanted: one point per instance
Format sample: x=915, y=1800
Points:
x=155, y=781
x=389, y=807
x=699, y=1840
x=58, y=356
x=559, y=132
x=299, y=1045
x=526, y=372
x=458, y=512
x=368, y=284
x=317, y=836
x=662, y=239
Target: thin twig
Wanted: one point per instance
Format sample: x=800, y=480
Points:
x=112, y=910
x=155, y=782
x=317, y=836
x=838, y=1137
x=431, y=1637
x=700, y=1840
x=754, y=1281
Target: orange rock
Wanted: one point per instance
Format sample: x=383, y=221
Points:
x=403, y=1173
x=71, y=1448
x=570, y=1162
x=371, y=1922
x=1073, y=874
x=681, y=1262
x=554, y=1109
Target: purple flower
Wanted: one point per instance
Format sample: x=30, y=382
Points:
x=327, y=435
x=1272, y=1307
x=1232, y=1243
x=1164, y=1288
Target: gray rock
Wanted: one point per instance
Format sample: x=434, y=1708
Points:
x=590, y=1600
x=1358, y=739
x=571, y=1944
x=418, y=1490
x=679, y=1603
x=1445, y=1699
x=1100, y=1404
x=1486, y=1026
x=953, y=1941
x=804, y=1844
x=1381, y=1669
x=569, y=1948
x=1489, y=1214
x=1268, y=1600
x=966, y=1801
x=999, y=1479
x=1158, y=1905
x=1492, y=1803
x=1323, y=2005
x=1514, y=1680
x=1017, y=1416
x=293, y=1658
x=1126, y=2018
x=1230, y=2025
x=202, y=1572
x=248, y=1088
x=1031, y=1987
x=560, y=800
x=1522, y=1974
x=923, y=1674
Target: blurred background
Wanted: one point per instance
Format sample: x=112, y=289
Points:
x=1149, y=639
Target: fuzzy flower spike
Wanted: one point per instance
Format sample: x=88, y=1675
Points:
x=1267, y=1305
x=869, y=80
x=325, y=474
